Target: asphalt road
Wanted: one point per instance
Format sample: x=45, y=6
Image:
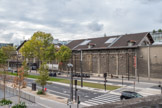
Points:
x=64, y=91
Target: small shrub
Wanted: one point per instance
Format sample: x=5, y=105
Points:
x=40, y=92
x=5, y=102
x=20, y=105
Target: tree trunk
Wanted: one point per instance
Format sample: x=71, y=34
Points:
x=19, y=81
x=4, y=88
x=52, y=67
x=43, y=89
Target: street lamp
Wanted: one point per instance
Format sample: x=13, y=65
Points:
x=81, y=69
x=71, y=82
x=17, y=61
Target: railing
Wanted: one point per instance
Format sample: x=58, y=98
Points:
x=23, y=94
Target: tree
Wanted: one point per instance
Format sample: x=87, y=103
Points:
x=37, y=46
x=9, y=52
x=159, y=30
x=63, y=55
x=43, y=77
x=27, y=51
x=3, y=74
x=154, y=31
x=51, y=54
x=19, y=81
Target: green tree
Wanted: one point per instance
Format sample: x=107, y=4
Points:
x=63, y=55
x=159, y=30
x=3, y=74
x=43, y=77
x=37, y=46
x=51, y=54
x=9, y=52
x=154, y=31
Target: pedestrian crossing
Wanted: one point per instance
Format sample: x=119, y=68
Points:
x=143, y=92
x=114, y=96
x=102, y=99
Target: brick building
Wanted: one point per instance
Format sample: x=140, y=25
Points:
x=116, y=55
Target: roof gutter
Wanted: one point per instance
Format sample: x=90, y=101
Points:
x=85, y=49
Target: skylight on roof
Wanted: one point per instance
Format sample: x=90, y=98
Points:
x=85, y=42
x=110, y=40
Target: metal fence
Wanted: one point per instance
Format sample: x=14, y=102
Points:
x=23, y=94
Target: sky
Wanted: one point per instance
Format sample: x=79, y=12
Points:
x=77, y=19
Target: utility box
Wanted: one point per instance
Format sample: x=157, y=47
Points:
x=34, y=87
x=105, y=75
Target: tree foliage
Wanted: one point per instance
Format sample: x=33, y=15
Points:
x=3, y=59
x=63, y=54
x=154, y=31
x=43, y=75
x=159, y=30
x=9, y=51
x=4, y=56
x=38, y=46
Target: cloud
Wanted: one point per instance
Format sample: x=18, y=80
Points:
x=74, y=19
x=95, y=26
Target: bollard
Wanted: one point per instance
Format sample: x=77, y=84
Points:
x=76, y=90
x=134, y=85
x=122, y=79
x=78, y=102
x=138, y=77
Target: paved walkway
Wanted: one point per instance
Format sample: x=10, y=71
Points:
x=14, y=99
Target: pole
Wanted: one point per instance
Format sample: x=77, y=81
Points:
x=105, y=84
x=78, y=102
x=81, y=69
x=122, y=79
x=17, y=63
x=138, y=77
x=75, y=64
x=134, y=85
x=148, y=62
x=128, y=67
x=75, y=90
x=161, y=89
x=71, y=85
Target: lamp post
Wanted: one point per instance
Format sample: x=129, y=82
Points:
x=17, y=61
x=128, y=66
x=81, y=69
x=71, y=82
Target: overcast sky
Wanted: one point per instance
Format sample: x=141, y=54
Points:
x=75, y=19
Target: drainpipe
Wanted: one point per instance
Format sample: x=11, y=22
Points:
x=148, y=62
x=136, y=73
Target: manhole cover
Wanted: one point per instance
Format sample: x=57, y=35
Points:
x=60, y=98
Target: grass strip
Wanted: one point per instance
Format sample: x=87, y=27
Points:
x=67, y=81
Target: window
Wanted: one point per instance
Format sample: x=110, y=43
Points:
x=110, y=40
x=85, y=42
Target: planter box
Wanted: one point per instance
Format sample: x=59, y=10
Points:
x=5, y=106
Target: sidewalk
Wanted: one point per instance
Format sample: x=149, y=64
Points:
x=141, y=79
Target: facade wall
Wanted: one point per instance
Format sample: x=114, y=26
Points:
x=121, y=62
x=156, y=62
x=114, y=62
x=150, y=61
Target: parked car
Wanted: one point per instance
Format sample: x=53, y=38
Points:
x=129, y=95
x=10, y=70
x=32, y=66
x=52, y=74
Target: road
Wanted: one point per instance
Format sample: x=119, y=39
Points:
x=64, y=91
x=90, y=97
